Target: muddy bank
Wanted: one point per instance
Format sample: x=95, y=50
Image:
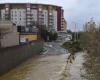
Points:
x=92, y=67
x=74, y=70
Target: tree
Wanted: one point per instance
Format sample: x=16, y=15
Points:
x=55, y=36
x=45, y=35
x=69, y=31
x=52, y=36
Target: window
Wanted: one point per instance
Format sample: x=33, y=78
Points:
x=40, y=9
x=23, y=11
x=28, y=9
x=50, y=13
x=7, y=9
x=20, y=13
x=15, y=12
x=11, y=12
x=15, y=18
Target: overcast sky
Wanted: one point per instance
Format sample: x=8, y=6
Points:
x=76, y=11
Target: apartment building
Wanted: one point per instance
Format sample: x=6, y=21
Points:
x=63, y=22
x=25, y=14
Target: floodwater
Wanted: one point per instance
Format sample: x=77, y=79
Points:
x=40, y=68
x=48, y=67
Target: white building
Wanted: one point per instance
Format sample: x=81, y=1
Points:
x=24, y=14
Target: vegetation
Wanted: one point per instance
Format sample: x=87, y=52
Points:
x=52, y=36
x=69, y=31
x=74, y=45
x=90, y=42
x=49, y=36
x=45, y=35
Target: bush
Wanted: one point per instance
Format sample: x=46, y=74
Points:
x=73, y=46
x=52, y=36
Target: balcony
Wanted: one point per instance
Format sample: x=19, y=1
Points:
x=29, y=17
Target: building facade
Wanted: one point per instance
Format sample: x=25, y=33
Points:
x=25, y=14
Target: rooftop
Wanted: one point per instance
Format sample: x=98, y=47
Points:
x=34, y=4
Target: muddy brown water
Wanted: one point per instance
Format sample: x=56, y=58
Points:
x=38, y=68
x=48, y=68
x=52, y=66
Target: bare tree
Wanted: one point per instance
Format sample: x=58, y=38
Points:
x=90, y=41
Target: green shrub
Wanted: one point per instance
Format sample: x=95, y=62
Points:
x=73, y=46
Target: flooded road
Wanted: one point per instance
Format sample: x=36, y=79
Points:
x=48, y=67
x=40, y=68
x=44, y=67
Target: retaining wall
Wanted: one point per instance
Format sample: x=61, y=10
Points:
x=11, y=57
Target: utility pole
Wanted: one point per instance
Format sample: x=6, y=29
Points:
x=75, y=31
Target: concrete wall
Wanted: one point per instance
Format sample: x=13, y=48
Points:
x=9, y=35
x=11, y=57
x=10, y=39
